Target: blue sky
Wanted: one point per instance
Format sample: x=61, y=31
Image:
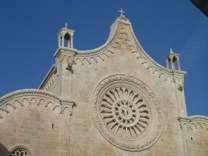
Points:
x=28, y=38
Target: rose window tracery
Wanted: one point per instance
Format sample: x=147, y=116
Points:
x=124, y=112
x=20, y=151
x=127, y=112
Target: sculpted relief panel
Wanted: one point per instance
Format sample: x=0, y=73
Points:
x=127, y=113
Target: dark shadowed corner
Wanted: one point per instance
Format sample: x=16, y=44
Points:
x=201, y=5
x=3, y=150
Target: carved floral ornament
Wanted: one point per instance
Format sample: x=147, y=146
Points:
x=127, y=113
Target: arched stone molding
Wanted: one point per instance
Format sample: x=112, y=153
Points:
x=122, y=32
x=28, y=97
x=194, y=123
x=127, y=112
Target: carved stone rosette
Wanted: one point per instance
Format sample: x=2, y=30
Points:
x=127, y=113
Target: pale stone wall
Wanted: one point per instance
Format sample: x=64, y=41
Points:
x=195, y=135
x=121, y=57
x=126, y=105
x=36, y=120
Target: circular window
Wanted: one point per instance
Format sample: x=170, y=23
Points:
x=20, y=151
x=127, y=113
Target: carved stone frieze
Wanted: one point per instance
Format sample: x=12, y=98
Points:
x=30, y=97
x=49, y=79
x=127, y=113
x=193, y=123
x=122, y=32
x=103, y=52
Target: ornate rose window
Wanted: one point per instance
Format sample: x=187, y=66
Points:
x=20, y=151
x=127, y=113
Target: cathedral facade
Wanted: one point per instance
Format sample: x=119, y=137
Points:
x=114, y=100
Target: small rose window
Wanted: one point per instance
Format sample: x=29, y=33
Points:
x=20, y=151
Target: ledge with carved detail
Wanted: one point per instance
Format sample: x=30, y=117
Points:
x=195, y=122
x=20, y=97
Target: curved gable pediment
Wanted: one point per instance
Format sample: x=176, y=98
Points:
x=122, y=33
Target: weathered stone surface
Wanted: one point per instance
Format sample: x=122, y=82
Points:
x=126, y=104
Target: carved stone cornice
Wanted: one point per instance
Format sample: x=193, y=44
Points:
x=67, y=105
x=122, y=30
x=49, y=78
x=145, y=59
x=36, y=97
x=196, y=122
x=68, y=51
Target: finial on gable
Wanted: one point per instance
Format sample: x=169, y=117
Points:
x=121, y=12
x=122, y=16
x=171, y=51
x=66, y=25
